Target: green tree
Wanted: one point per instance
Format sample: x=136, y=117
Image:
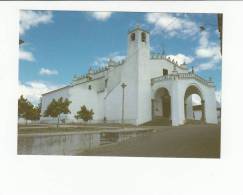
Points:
x=35, y=113
x=25, y=109
x=84, y=114
x=58, y=107
x=22, y=104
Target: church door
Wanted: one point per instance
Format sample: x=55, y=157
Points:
x=166, y=106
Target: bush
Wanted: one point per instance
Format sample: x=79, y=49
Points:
x=84, y=114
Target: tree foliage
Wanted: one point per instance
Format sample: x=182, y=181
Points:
x=35, y=113
x=27, y=110
x=57, y=107
x=84, y=114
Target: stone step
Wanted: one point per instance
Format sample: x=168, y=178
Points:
x=158, y=121
x=190, y=121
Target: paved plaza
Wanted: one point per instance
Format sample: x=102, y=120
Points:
x=199, y=141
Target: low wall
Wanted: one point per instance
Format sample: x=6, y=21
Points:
x=57, y=144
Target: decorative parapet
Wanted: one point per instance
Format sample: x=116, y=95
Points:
x=93, y=71
x=89, y=76
x=157, y=56
x=182, y=76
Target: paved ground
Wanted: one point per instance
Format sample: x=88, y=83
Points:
x=201, y=141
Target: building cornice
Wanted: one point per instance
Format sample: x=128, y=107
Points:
x=67, y=86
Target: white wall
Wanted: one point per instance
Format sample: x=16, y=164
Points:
x=113, y=105
x=156, y=67
x=81, y=95
x=208, y=94
x=144, y=82
x=177, y=90
x=114, y=77
x=189, y=108
x=210, y=106
x=47, y=98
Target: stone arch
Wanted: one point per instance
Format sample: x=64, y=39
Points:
x=199, y=88
x=191, y=111
x=161, y=103
x=158, y=86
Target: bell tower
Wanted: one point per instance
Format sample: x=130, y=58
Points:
x=136, y=75
x=138, y=41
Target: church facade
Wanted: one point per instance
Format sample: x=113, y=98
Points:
x=138, y=89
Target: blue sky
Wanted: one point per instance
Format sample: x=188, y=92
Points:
x=60, y=44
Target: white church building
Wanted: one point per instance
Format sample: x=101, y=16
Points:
x=139, y=89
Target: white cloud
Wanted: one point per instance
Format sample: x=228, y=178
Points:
x=173, y=25
x=101, y=16
x=45, y=71
x=203, y=41
x=33, y=90
x=209, y=51
x=30, y=19
x=205, y=66
x=181, y=58
x=26, y=55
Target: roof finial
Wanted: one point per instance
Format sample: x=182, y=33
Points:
x=91, y=70
x=138, y=26
x=184, y=65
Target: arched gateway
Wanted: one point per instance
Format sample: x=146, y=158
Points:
x=177, y=92
x=194, y=108
x=161, y=105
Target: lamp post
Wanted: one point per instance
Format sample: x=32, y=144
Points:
x=123, y=85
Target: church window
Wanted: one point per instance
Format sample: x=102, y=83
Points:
x=133, y=36
x=90, y=87
x=143, y=37
x=165, y=72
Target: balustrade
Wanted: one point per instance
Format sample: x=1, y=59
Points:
x=182, y=76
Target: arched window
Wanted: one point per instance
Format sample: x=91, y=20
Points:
x=143, y=37
x=133, y=36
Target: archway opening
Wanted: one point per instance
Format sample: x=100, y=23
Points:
x=161, y=106
x=194, y=105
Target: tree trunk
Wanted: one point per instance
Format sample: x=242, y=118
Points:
x=57, y=121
